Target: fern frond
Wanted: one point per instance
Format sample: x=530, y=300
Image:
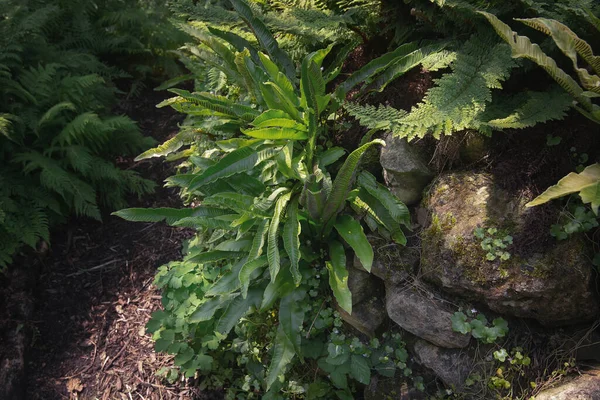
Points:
x=461, y=96
x=382, y=117
x=522, y=47
x=536, y=107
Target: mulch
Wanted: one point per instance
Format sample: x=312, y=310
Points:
x=95, y=294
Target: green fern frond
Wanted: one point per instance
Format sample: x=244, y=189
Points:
x=461, y=96
x=381, y=117
x=536, y=107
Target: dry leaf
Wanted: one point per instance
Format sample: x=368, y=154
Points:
x=74, y=385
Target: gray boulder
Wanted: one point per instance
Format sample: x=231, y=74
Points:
x=551, y=284
x=404, y=170
x=452, y=366
x=423, y=314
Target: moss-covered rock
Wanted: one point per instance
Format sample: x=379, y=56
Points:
x=552, y=284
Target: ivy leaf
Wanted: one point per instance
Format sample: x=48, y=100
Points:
x=459, y=323
x=501, y=355
x=360, y=370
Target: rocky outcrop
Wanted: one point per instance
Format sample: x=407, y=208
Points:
x=551, y=285
x=404, y=170
x=584, y=387
x=423, y=314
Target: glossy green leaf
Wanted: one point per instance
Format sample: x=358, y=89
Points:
x=291, y=318
x=398, y=210
x=237, y=309
x=240, y=160
x=283, y=353
x=343, y=181
x=338, y=276
x=249, y=269
x=291, y=239
x=273, y=236
x=352, y=233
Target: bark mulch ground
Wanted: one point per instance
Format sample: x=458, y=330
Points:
x=95, y=294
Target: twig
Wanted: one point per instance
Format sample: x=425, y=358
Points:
x=311, y=325
x=97, y=267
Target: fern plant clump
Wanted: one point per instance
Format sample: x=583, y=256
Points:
x=58, y=138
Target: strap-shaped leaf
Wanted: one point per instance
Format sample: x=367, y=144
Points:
x=265, y=38
x=207, y=309
x=405, y=63
x=587, y=183
x=398, y=210
x=269, y=115
x=291, y=318
x=276, y=133
x=275, y=98
x=238, y=42
x=330, y=156
x=343, y=181
x=380, y=214
x=283, y=353
x=522, y=47
x=228, y=283
x=237, y=309
x=338, y=276
x=170, y=215
x=273, y=236
x=249, y=269
x=240, y=160
x=352, y=233
x=372, y=68
x=279, y=79
x=568, y=42
x=283, y=285
x=291, y=240
x=219, y=222
x=217, y=255
x=259, y=240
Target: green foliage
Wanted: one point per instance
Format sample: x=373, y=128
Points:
x=571, y=45
x=479, y=327
x=58, y=139
x=281, y=216
x=494, y=243
x=586, y=183
x=579, y=219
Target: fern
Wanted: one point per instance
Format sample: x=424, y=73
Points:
x=461, y=96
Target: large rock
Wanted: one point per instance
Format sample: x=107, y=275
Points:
x=393, y=263
x=367, y=316
x=362, y=285
x=404, y=171
x=584, y=387
x=551, y=284
x=423, y=314
x=452, y=366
